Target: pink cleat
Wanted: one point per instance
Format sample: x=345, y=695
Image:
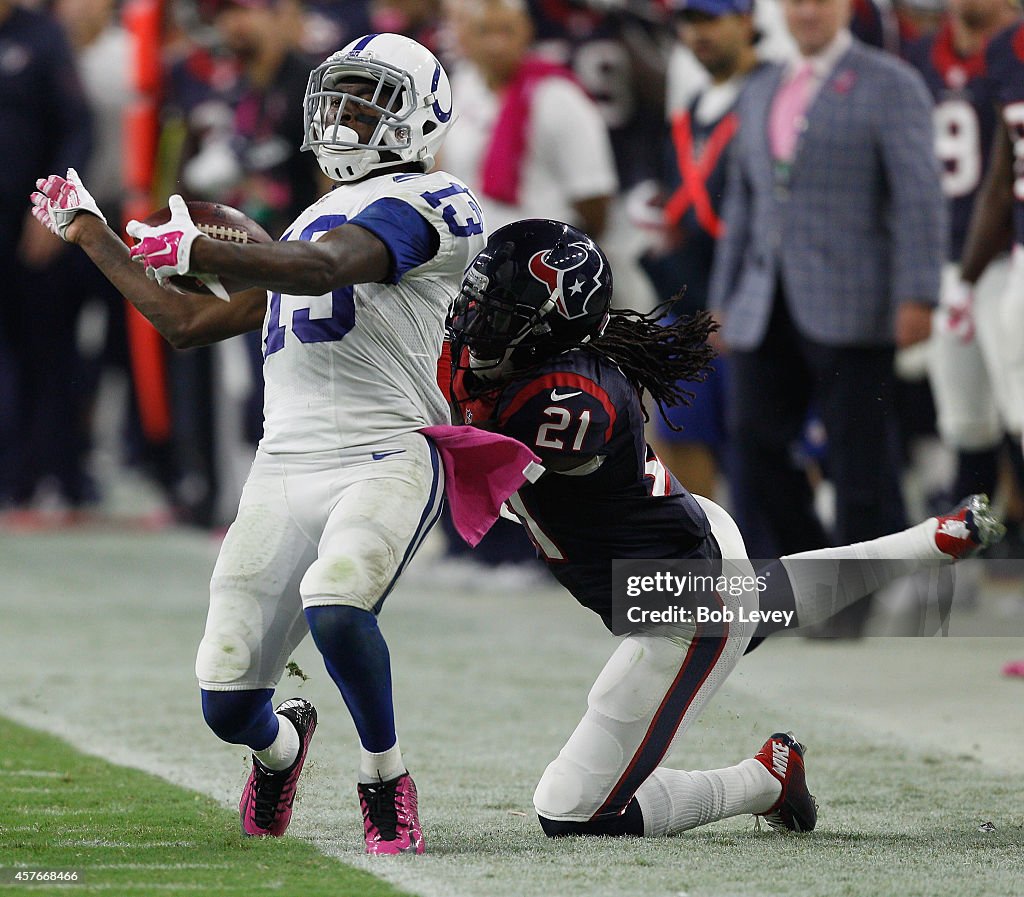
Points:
x=796, y=810
x=390, y=816
x=266, y=805
x=968, y=528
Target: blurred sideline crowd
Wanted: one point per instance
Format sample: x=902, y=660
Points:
x=822, y=252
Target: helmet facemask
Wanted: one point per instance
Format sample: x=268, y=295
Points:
x=403, y=92
x=539, y=288
x=499, y=331
x=389, y=99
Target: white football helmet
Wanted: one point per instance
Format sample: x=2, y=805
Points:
x=412, y=98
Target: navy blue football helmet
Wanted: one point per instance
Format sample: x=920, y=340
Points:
x=537, y=288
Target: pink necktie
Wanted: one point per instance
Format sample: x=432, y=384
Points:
x=788, y=107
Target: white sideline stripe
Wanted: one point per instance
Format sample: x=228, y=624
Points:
x=141, y=886
x=103, y=842
x=36, y=773
x=159, y=866
x=66, y=811
x=135, y=865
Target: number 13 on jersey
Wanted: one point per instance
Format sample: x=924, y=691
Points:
x=307, y=328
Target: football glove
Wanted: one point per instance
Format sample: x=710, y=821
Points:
x=165, y=249
x=956, y=311
x=58, y=200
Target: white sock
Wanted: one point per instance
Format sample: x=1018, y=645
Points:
x=823, y=585
x=673, y=801
x=284, y=749
x=380, y=767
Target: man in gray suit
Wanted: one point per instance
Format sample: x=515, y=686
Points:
x=833, y=246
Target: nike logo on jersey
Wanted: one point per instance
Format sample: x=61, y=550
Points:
x=377, y=456
x=780, y=759
x=556, y=397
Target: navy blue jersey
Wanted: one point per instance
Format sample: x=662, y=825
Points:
x=579, y=407
x=965, y=120
x=590, y=43
x=1005, y=61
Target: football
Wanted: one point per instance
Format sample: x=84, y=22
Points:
x=220, y=222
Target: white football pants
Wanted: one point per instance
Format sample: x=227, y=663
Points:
x=979, y=386
x=319, y=529
x=648, y=694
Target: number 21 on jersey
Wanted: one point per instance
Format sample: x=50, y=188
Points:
x=552, y=434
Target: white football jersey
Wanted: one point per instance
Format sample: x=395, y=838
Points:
x=568, y=156
x=359, y=365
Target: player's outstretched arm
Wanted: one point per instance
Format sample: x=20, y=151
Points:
x=184, y=319
x=344, y=256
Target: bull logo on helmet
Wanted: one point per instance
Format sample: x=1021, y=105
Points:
x=558, y=270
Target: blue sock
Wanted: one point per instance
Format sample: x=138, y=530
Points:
x=241, y=717
x=357, y=658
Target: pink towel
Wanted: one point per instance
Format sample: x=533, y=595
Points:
x=481, y=470
x=501, y=169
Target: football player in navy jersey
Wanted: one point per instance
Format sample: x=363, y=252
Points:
x=968, y=368
x=537, y=354
x=998, y=213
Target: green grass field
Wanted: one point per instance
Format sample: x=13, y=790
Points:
x=131, y=833
x=912, y=745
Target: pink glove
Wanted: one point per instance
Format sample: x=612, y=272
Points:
x=58, y=200
x=165, y=248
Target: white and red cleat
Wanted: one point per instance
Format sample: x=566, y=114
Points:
x=968, y=528
x=391, y=819
x=796, y=810
x=266, y=805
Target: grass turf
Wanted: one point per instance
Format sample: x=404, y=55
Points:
x=913, y=743
x=130, y=833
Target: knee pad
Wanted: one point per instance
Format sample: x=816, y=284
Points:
x=560, y=792
x=621, y=704
x=234, y=628
x=358, y=576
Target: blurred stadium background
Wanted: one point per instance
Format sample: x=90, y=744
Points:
x=108, y=536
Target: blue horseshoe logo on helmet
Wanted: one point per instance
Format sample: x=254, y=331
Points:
x=442, y=116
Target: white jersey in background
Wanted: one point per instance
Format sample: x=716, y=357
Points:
x=358, y=365
x=568, y=156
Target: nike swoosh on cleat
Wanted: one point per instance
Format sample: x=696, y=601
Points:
x=555, y=397
x=377, y=456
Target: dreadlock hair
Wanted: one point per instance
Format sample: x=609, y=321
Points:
x=659, y=357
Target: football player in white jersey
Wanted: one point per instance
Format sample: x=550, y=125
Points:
x=343, y=489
